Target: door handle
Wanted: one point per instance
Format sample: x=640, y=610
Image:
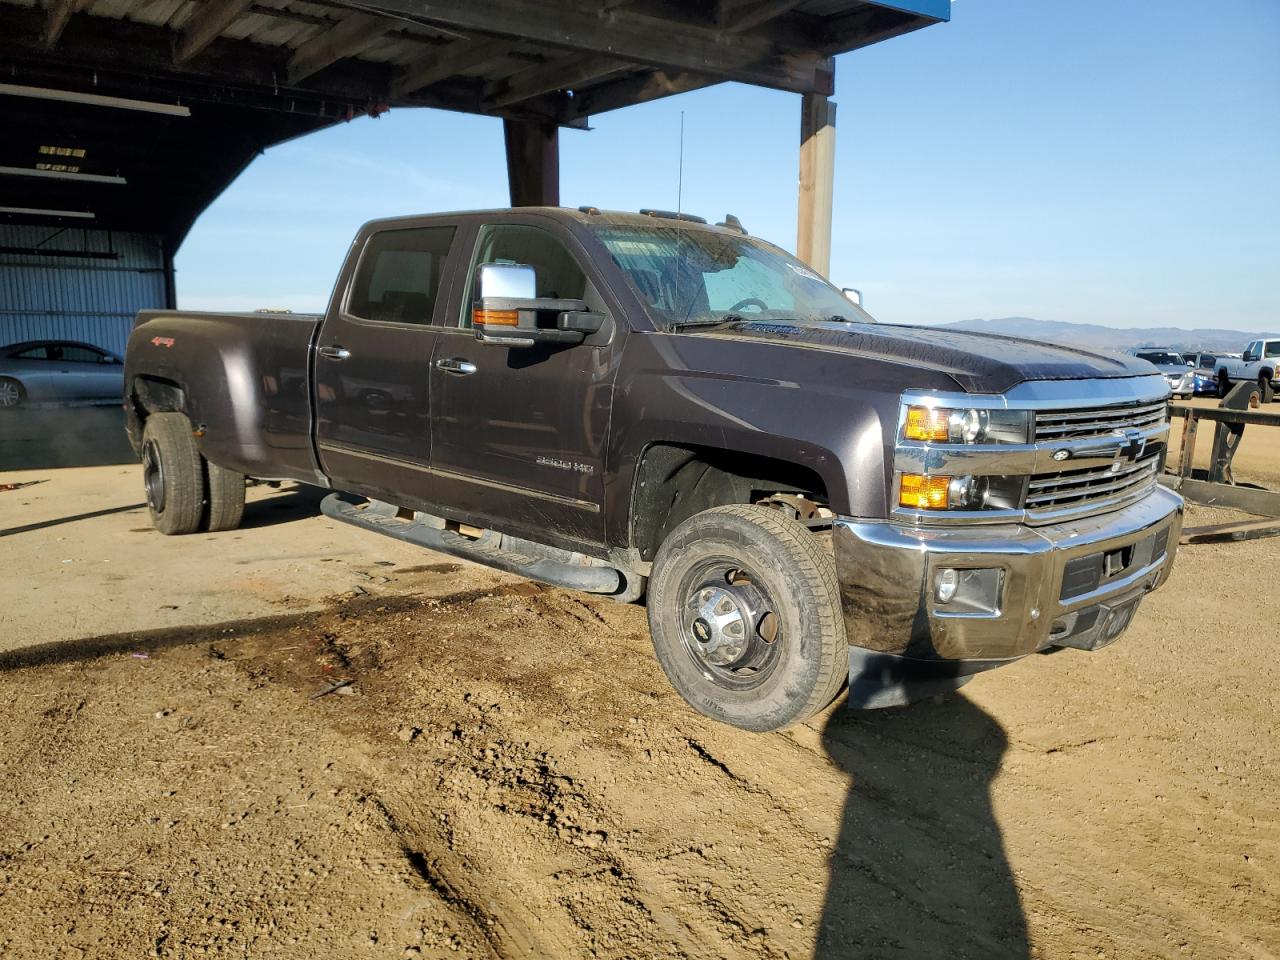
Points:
x=335, y=352
x=463, y=368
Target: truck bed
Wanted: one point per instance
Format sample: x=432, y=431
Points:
x=250, y=370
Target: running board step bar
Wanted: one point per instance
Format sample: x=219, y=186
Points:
x=589, y=579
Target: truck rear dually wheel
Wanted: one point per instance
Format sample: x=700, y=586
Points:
x=225, y=507
x=744, y=611
x=172, y=474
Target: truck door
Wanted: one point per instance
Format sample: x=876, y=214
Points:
x=373, y=362
x=519, y=433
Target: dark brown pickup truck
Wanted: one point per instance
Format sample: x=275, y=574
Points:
x=646, y=404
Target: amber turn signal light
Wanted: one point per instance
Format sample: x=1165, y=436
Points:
x=495, y=318
x=928, y=423
x=920, y=492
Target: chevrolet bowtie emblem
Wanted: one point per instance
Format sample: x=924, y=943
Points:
x=1133, y=446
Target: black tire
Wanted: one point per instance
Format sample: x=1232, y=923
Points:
x=225, y=507
x=1224, y=384
x=785, y=587
x=12, y=394
x=173, y=475
x=1264, y=387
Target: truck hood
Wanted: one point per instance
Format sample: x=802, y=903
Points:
x=978, y=362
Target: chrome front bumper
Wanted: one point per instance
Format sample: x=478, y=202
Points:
x=1068, y=584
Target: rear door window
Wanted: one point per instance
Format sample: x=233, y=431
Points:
x=398, y=280
x=1272, y=349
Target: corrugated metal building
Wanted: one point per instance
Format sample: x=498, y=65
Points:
x=73, y=283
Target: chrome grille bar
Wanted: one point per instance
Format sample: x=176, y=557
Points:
x=1078, y=488
x=1097, y=421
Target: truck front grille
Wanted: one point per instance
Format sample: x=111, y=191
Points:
x=1052, y=494
x=1098, y=421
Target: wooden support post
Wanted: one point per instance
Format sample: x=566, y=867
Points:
x=817, y=176
x=533, y=162
x=1186, y=456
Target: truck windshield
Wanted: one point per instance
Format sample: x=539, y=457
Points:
x=1162, y=358
x=691, y=277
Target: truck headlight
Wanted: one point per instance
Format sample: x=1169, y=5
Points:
x=917, y=491
x=958, y=425
x=922, y=492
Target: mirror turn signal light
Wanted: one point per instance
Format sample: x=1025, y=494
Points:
x=928, y=423
x=919, y=492
x=495, y=318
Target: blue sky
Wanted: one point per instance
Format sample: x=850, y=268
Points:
x=1078, y=160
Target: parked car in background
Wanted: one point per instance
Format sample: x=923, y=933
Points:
x=55, y=371
x=1182, y=380
x=1212, y=372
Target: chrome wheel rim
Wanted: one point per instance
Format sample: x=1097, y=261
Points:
x=153, y=476
x=9, y=394
x=729, y=626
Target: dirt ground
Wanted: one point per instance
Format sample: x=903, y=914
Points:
x=508, y=774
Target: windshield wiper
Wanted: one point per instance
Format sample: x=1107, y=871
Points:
x=709, y=322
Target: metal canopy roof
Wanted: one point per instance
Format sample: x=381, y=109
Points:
x=222, y=80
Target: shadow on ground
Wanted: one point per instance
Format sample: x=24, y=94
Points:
x=289, y=503
x=919, y=869
x=45, y=438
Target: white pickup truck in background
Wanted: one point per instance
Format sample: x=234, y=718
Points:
x=1260, y=363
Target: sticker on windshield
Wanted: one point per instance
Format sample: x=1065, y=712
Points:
x=803, y=271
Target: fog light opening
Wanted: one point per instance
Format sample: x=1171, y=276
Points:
x=947, y=584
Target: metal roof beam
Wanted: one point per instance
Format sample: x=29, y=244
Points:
x=562, y=73
x=452, y=60
x=57, y=15
x=205, y=25
x=739, y=15
x=639, y=89
x=866, y=26
x=348, y=37
x=748, y=56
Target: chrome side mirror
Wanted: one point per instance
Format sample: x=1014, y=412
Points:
x=506, y=281
x=506, y=307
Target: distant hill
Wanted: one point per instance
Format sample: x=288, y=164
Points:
x=1112, y=338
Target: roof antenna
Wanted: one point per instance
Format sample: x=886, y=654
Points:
x=680, y=171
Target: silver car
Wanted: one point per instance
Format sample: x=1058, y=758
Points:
x=1181, y=377
x=59, y=371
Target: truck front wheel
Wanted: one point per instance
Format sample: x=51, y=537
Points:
x=172, y=474
x=744, y=611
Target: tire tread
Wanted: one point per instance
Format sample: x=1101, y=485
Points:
x=814, y=565
x=225, y=507
x=184, y=476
